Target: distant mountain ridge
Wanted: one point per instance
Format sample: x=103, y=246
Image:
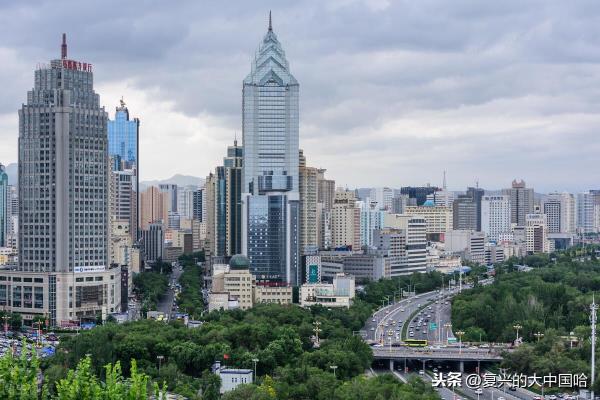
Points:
x=177, y=179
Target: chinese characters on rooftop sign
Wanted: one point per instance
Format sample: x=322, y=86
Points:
x=77, y=66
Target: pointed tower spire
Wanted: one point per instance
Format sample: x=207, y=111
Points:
x=63, y=47
x=270, y=24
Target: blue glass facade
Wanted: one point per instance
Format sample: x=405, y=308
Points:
x=123, y=137
x=270, y=125
x=123, y=148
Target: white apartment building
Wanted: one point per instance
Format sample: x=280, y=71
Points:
x=495, y=216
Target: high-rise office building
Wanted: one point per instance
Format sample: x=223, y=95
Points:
x=345, y=220
x=325, y=189
x=12, y=217
x=466, y=210
x=416, y=245
x=383, y=196
x=270, y=125
x=123, y=148
x=536, y=234
x=325, y=196
x=153, y=240
x=197, y=205
x=123, y=137
x=495, y=216
x=560, y=212
x=371, y=219
x=122, y=197
x=521, y=201
x=171, y=190
x=588, y=212
x=4, y=208
x=185, y=200
x=399, y=204
x=154, y=207
x=63, y=196
x=468, y=243
x=308, y=179
x=223, y=205
x=404, y=259
x=438, y=219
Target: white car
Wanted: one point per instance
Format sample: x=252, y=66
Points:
x=478, y=391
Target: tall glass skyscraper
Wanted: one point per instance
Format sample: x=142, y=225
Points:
x=123, y=148
x=270, y=171
x=3, y=205
x=123, y=137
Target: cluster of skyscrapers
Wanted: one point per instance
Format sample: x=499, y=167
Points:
x=78, y=225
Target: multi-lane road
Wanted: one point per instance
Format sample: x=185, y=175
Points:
x=428, y=317
x=168, y=300
x=387, y=323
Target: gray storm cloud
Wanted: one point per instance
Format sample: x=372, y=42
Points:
x=392, y=93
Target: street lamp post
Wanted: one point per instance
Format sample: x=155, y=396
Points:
x=159, y=358
x=517, y=327
x=447, y=325
x=255, y=361
x=538, y=335
x=460, y=335
x=333, y=367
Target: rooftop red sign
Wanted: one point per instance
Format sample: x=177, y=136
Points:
x=77, y=66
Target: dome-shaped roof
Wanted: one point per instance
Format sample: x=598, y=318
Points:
x=239, y=261
x=429, y=203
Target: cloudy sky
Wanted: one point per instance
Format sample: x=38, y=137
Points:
x=392, y=92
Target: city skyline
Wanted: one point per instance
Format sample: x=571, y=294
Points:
x=439, y=100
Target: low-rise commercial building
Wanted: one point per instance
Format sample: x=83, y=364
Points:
x=231, y=378
x=235, y=283
x=337, y=294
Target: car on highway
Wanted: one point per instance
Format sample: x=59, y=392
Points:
x=372, y=328
x=421, y=372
